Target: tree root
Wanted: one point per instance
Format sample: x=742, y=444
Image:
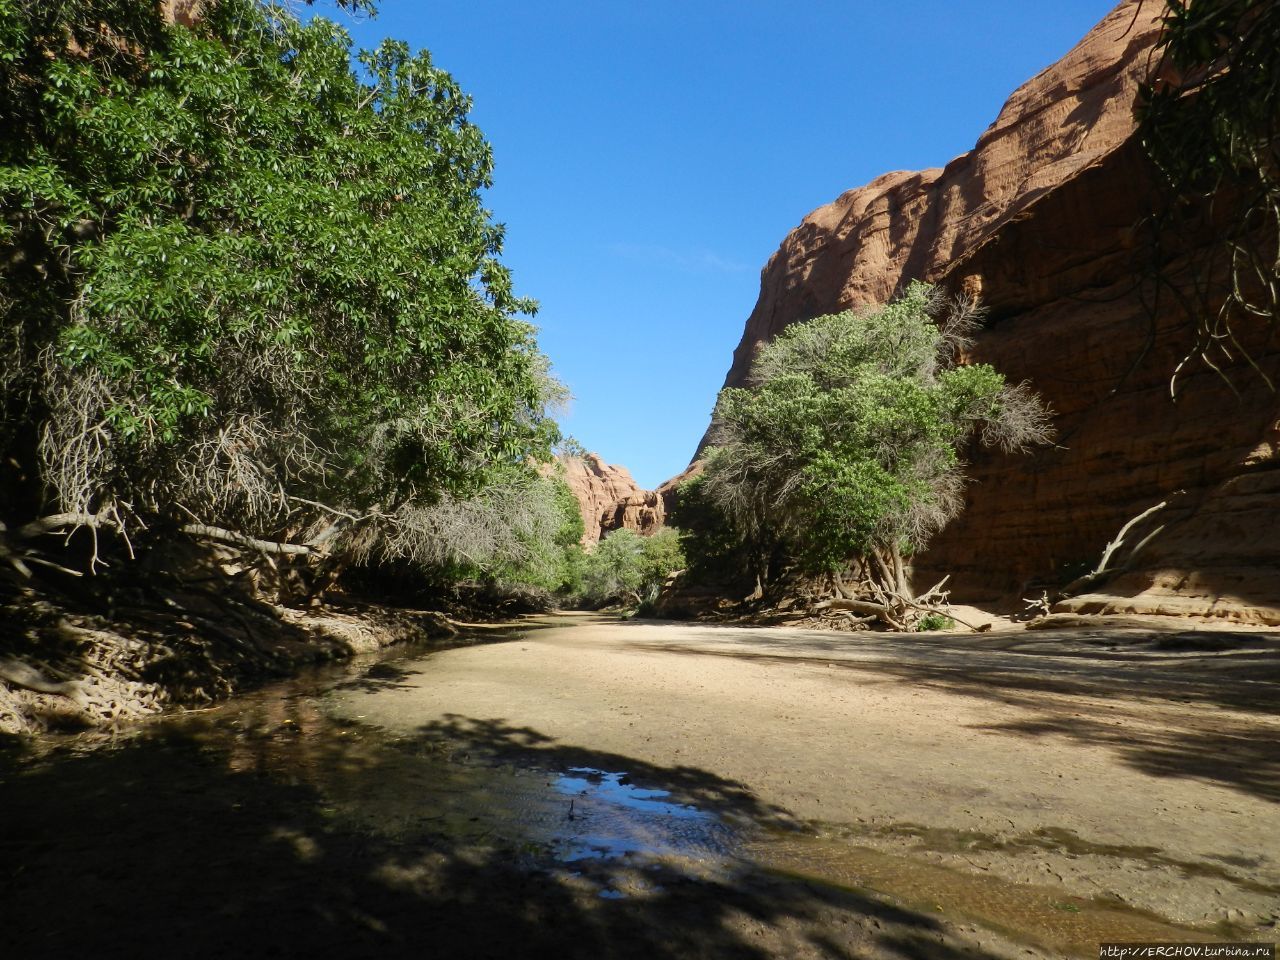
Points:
x=872, y=599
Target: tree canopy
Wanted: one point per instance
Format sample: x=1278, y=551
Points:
x=847, y=441
x=237, y=274
x=626, y=566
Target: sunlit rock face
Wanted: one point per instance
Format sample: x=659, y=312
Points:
x=1043, y=218
x=185, y=12
x=610, y=499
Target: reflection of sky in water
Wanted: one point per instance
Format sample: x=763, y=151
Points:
x=603, y=829
x=609, y=787
x=611, y=818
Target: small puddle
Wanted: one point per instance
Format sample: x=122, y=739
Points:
x=609, y=817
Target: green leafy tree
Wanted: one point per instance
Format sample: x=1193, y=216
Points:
x=551, y=553
x=239, y=279
x=718, y=555
x=845, y=449
x=662, y=554
x=515, y=532
x=625, y=566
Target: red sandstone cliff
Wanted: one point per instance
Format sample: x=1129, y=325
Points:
x=1042, y=218
x=185, y=12
x=609, y=498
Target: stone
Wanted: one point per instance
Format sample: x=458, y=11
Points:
x=610, y=499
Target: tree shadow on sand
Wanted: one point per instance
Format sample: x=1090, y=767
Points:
x=1135, y=672
x=238, y=839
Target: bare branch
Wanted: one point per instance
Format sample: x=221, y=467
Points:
x=60, y=521
x=241, y=540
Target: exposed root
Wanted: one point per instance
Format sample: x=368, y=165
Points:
x=186, y=624
x=881, y=593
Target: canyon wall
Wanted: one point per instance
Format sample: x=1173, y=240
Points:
x=185, y=12
x=1044, y=219
x=609, y=498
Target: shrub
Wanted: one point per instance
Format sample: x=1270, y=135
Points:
x=934, y=621
x=625, y=567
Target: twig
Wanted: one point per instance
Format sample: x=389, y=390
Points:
x=54, y=566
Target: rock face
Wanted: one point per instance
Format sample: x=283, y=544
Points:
x=1044, y=218
x=185, y=12
x=609, y=498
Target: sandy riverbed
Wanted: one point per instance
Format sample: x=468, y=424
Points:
x=589, y=788
x=1125, y=767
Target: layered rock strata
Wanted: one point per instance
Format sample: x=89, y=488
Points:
x=610, y=499
x=1047, y=218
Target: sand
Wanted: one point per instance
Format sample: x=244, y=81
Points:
x=1137, y=766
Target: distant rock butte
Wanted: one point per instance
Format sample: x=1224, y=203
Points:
x=1042, y=219
x=609, y=498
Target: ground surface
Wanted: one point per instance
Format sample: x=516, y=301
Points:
x=591, y=788
x=1132, y=765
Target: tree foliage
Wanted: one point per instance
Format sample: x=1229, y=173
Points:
x=237, y=274
x=518, y=531
x=847, y=441
x=1210, y=119
x=625, y=566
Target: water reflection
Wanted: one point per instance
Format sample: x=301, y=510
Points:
x=413, y=790
x=614, y=788
x=610, y=817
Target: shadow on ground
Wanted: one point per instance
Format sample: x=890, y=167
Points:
x=233, y=838
x=1145, y=677
x=495, y=739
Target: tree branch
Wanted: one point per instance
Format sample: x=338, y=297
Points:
x=243, y=540
x=60, y=521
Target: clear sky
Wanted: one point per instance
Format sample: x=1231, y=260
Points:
x=650, y=157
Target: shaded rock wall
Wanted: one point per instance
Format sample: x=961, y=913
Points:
x=1043, y=219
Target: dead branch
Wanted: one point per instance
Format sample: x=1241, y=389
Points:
x=865, y=607
x=54, y=566
x=60, y=521
x=1102, y=569
x=946, y=612
x=856, y=606
x=222, y=535
x=14, y=560
x=935, y=590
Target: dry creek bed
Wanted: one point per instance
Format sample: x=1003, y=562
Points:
x=583, y=786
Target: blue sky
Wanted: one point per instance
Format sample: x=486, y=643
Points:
x=650, y=157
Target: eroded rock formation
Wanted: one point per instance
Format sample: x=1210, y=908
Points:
x=1044, y=217
x=610, y=499
x=185, y=12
